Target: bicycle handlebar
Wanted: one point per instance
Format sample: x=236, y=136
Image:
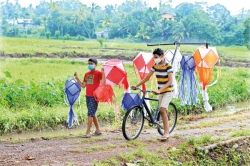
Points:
x=144, y=90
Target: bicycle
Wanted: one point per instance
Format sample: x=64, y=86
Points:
x=133, y=120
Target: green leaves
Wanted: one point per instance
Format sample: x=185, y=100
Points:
x=7, y=74
x=18, y=95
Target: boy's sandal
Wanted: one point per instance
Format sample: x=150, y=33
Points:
x=86, y=136
x=96, y=133
x=163, y=139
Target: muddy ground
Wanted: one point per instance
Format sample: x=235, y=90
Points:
x=75, y=150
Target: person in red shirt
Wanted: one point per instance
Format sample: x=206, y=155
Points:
x=91, y=81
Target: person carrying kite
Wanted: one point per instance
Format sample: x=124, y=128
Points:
x=164, y=75
x=91, y=81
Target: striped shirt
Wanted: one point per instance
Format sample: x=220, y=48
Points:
x=162, y=75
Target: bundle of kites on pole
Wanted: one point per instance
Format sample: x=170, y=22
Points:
x=195, y=70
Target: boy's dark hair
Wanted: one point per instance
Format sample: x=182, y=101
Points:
x=158, y=51
x=94, y=60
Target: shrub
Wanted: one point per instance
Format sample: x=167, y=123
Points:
x=47, y=34
x=67, y=37
x=100, y=40
x=57, y=34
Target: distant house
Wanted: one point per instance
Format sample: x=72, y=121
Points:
x=103, y=34
x=22, y=22
x=168, y=16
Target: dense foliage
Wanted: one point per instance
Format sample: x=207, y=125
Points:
x=133, y=20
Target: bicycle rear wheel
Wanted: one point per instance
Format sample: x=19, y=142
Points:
x=172, y=119
x=133, y=123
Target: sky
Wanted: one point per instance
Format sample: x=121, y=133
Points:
x=233, y=6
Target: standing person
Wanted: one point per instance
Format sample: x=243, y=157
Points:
x=164, y=73
x=91, y=81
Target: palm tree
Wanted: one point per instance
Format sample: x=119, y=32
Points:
x=180, y=32
x=93, y=9
x=53, y=5
x=44, y=20
x=80, y=17
x=107, y=21
x=142, y=33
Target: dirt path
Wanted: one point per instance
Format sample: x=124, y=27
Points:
x=80, y=151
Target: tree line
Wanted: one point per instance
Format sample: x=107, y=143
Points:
x=133, y=20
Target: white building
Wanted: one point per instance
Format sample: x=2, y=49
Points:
x=22, y=23
x=103, y=34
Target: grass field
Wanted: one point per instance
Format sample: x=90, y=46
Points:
x=111, y=47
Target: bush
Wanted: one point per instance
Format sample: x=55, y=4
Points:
x=18, y=95
x=47, y=34
x=67, y=37
x=80, y=38
x=57, y=34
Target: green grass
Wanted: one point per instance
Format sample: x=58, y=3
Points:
x=111, y=47
x=241, y=133
x=24, y=45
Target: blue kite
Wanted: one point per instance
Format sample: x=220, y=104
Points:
x=72, y=90
x=188, y=86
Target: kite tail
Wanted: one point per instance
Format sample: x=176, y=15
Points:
x=126, y=84
x=71, y=116
x=182, y=88
x=175, y=87
x=180, y=94
x=188, y=86
x=194, y=89
x=207, y=106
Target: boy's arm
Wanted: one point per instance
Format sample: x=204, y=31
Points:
x=145, y=79
x=82, y=84
x=103, y=80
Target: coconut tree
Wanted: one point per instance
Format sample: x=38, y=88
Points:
x=80, y=16
x=106, y=22
x=53, y=5
x=142, y=33
x=181, y=32
x=94, y=7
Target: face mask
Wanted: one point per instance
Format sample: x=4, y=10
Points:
x=91, y=67
x=157, y=60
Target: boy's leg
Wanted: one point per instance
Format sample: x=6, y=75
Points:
x=164, y=116
x=92, y=106
x=90, y=121
x=164, y=100
x=96, y=124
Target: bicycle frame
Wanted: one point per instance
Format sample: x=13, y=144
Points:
x=152, y=117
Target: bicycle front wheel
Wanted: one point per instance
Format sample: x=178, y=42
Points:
x=172, y=119
x=133, y=123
